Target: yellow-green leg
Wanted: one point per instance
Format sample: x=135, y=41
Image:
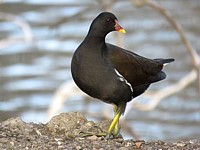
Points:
x=114, y=127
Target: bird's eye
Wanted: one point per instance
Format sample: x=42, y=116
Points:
x=108, y=20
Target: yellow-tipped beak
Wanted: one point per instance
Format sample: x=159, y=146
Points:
x=118, y=27
x=122, y=31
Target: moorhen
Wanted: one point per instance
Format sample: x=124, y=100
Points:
x=110, y=73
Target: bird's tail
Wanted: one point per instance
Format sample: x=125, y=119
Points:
x=165, y=61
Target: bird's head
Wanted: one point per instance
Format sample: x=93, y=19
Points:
x=104, y=23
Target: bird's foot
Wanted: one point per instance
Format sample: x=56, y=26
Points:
x=101, y=134
x=112, y=136
x=87, y=134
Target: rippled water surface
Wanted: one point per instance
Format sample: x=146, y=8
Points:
x=32, y=69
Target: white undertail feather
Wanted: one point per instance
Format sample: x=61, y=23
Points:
x=165, y=64
x=121, y=78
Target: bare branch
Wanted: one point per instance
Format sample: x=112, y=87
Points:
x=22, y=24
x=163, y=93
x=178, y=27
x=192, y=51
x=65, y=91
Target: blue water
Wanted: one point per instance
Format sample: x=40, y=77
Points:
x=31, y=72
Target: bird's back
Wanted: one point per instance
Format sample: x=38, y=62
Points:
x=139, y=71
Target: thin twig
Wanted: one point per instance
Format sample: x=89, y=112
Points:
x=28, y=37
x=192, y=51
x=165, y=92
x=178, y=27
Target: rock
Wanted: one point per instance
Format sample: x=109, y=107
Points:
x=94, y=137
x=73, y=131
x=66, y=124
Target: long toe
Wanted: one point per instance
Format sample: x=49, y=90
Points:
x=109, y=136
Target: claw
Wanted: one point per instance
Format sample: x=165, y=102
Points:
x=109, y=136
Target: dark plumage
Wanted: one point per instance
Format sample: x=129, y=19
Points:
x=110, y=73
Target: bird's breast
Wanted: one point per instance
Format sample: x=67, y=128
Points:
x=96, y=76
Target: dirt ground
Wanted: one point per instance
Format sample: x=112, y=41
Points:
x=72, y=131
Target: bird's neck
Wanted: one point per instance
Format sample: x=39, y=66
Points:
x=96, y=39
x=97, y=33
x=96, y=42
x=92, y=38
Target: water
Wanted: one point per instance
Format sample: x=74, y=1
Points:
x=31, y=71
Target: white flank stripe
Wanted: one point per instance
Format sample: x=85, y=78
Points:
x=121, y=78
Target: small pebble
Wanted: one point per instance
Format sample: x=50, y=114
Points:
x=78, y=147
x=26, y=138
x=94, y=137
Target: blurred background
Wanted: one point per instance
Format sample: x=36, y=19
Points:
x=38, y=38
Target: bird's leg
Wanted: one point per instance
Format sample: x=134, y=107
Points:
x=114, y=127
